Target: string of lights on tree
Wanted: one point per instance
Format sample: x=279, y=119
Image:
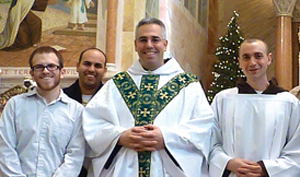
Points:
x=226, y=69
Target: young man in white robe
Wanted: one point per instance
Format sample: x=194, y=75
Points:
x=258, y=123
x=152, y=120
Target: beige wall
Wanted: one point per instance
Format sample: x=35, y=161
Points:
x=134, y=10
x=187, y=39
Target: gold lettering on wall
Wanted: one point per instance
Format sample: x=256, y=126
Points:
x=23, y=72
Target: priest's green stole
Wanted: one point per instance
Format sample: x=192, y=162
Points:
x=147, y=102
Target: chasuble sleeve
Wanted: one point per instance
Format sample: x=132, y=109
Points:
x=101, y=123
x=190, y=139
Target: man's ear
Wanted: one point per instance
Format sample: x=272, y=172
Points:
x=239, y=63
x=166, y=42
x=31, y=72
x=105, y=70
x=270, y=55
x=62, y=73
x=77, y=66
x=135, y=45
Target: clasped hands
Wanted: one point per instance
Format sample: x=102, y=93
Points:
x=245, y=168
x=142, y=138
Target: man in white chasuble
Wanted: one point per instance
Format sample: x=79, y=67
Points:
x=258, y=122
x=151, y=120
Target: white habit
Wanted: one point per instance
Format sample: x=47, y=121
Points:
x=78, y=11
x=257, y=127
x=185, y=124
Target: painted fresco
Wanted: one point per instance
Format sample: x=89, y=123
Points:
x=57, y=30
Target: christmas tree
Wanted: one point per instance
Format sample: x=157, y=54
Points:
x=226, y=72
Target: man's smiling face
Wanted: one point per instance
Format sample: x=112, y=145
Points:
x=150, y=46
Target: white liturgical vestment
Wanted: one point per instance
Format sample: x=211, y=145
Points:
x=185, y=124
x=257, y=127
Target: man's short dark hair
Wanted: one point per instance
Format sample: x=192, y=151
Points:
x=46, y=49
x=92, y=48
x=152, y=20
x=252, y=40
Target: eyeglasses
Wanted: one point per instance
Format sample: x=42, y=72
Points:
x=50, y=67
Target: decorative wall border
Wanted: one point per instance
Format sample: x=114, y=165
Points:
x=13, y=76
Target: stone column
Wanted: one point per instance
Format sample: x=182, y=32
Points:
x=283, y=63
x=212, y=40
x=295, y=53
x=112, y=11
x=111, y=38
x=296, y=42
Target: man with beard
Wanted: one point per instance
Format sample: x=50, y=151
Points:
x=40, y=131
x=91, y=69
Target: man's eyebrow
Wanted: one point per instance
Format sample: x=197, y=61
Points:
x=258, y=53
x=145, y=37
x=142, y=37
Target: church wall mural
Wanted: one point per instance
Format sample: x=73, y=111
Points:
x=59, y=29
x=186, y=24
